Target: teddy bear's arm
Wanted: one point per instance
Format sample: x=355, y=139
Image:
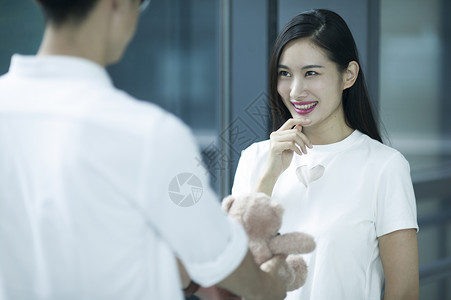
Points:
x=292, y=243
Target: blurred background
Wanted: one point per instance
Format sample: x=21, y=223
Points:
x=206, y=61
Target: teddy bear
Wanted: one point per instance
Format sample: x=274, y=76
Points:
x=261, y=218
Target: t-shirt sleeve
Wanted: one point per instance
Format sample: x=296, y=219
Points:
x=184, y=210
x=395, y=201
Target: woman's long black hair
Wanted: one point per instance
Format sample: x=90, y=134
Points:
x=329, y=31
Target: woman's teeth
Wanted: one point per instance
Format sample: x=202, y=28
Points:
x=305, y=106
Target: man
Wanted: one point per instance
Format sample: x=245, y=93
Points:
x=90, y=205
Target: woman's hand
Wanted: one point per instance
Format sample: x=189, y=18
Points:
x=283, y=143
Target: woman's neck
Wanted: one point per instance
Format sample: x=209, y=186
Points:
x=325, y=135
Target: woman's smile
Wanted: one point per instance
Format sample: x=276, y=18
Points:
x=304, y=107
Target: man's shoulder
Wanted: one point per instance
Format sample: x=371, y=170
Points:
x=138, y=115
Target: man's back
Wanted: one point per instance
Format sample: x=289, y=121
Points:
x=84, y=176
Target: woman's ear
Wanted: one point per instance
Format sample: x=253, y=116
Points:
x=350, y=75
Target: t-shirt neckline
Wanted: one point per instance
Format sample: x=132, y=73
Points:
x=338, y=146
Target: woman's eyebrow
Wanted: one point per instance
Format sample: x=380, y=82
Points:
x=311, y=67
x=303, y=68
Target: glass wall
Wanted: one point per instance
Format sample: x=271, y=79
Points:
x=21, y=28
x=173, y=60
x=414, y=106
x=411, y=86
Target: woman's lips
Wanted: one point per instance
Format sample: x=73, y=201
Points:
x=304, y=107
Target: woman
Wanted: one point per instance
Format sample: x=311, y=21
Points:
x=343, y=186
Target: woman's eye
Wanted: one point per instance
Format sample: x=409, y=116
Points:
x=310, y=73
x=284, y=74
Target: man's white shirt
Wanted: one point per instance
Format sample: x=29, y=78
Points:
x=85, y=205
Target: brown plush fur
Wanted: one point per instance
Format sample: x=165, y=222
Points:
x=261, y=218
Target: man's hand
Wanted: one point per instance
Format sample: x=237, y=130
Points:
x=250, y=282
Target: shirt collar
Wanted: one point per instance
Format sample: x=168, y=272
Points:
x=59, y=67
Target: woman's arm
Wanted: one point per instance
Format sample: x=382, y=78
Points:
x=399, y=255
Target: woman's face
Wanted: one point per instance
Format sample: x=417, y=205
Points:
x=310, y=85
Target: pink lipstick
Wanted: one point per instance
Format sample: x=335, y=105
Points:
x=304, y=107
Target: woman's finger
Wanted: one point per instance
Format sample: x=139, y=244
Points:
x=290, y=123
x=306, y=140
x=292, y=135
x=287, y=133
x=284, y=146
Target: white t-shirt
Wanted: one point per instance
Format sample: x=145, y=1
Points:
x=92, y=191
x=346, y=195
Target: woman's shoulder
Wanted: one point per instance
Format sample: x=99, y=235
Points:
x=380, y=151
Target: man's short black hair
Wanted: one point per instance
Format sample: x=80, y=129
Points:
x=58, y=12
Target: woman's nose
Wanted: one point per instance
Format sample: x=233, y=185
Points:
x=298, y=91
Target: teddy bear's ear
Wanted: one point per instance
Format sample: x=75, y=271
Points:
x=227, y=203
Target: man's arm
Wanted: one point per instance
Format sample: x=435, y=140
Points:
x=184, y=277
x=249, y=281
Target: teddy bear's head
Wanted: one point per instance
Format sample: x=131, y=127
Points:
x=260, y=216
